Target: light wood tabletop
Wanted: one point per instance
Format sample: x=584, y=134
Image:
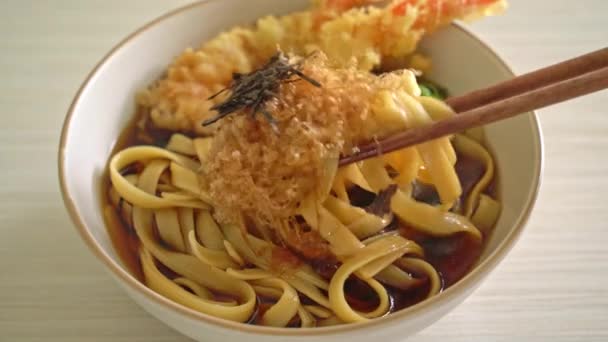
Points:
x=551, y=287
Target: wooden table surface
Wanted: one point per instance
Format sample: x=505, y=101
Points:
x=551, y=287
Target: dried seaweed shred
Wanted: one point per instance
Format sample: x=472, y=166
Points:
x=250, y=92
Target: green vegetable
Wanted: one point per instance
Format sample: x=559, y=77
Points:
x=431, y=89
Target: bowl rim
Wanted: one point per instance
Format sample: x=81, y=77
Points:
x=469, y=281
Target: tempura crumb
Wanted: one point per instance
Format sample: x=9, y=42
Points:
x=263, y=174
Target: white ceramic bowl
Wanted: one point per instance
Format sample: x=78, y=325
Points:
x=105, y=103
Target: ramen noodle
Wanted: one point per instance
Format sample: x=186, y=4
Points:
x=250, y=218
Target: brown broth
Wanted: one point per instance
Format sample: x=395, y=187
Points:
x=359, y=295
x=453, y=257
x=125, y=243
x=404, y=299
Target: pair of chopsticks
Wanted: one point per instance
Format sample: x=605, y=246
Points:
x=541, y=88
